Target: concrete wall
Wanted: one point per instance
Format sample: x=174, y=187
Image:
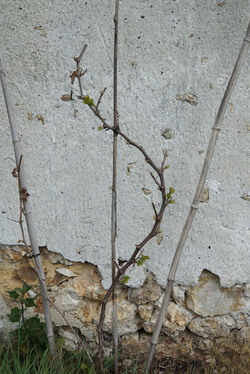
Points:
x=167, y=49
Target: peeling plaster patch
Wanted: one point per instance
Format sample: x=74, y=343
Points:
x=222, y=3
x=42, y=31
x=214, y=185
x=204, y=59
x=66, y=98
x=30, y=116
x=209, y=299
x=204, y=195
x=40, y=118
x=146, y=192
x=159, y=238
x=245, y=196
x=188, y=97
x=130, y=166
x=168, y=133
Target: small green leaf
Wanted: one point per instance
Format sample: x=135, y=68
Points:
x=100, y=128
x=125, y=279
x=13, y=294
x=142, y=260
x=171, y=190
x=166, y=167
x=88, y=101
x=29, y=302
x=15, y=315
x=171, y=202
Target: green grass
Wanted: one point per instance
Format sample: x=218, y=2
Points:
x=14, y=359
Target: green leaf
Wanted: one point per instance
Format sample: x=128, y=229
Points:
x=171, y=190
x=15, y=315
x=170, y=193
x=100, y=128
x=29, y=302
x=125, y=279
x=166, y=167
x=22, y=291
x=13, y=294
x=142, y=260
x=171, y=202
x=88, y=101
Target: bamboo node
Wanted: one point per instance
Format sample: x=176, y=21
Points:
x=245, y=40
x=194, y=206
x=217, y=128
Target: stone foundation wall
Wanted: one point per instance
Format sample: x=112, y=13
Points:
x=197, y=315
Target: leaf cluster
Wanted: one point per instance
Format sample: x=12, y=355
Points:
x=31, y=331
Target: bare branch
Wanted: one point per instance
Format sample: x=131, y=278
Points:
x=100, y=98
x=155, y=180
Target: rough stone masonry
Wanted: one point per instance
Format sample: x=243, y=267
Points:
x=175, y=59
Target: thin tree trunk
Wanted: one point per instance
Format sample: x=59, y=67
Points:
x=195, y=203
x=114, y=192
x=28, y=213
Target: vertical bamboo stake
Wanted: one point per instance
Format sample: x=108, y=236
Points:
x=194, y=206
x=28, y=213
x=114, y=191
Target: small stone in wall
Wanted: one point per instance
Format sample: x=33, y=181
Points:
x=208, y=298
x=178, y=294
x=145, y=311
x=88, y=284
x=212, y=327
x=66, y=272
x=71, y=342
x=148, y=293
x=128, y=320
x=245, y=333
x=176, y=319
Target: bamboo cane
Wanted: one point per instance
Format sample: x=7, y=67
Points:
x=114, y=191
x=28, y=213
x=194, y=206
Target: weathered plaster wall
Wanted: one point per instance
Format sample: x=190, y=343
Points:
x=167, y=49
